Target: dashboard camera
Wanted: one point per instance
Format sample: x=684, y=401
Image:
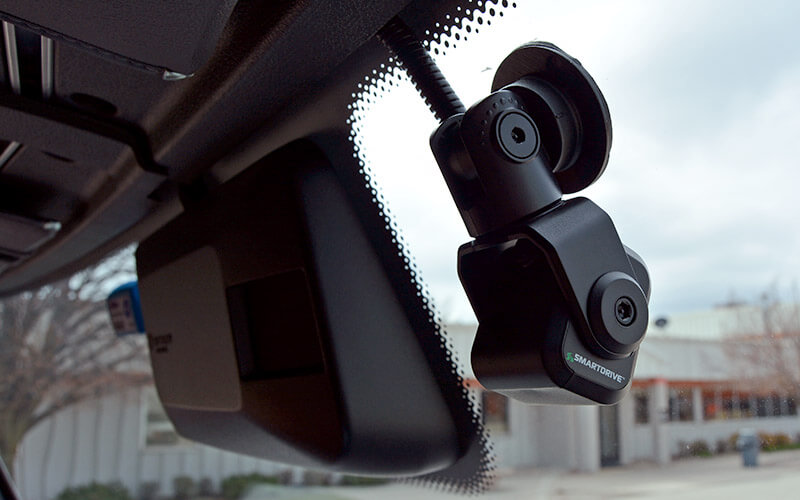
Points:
x=561, y=302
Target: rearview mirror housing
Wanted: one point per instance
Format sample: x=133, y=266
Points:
x=274, y=329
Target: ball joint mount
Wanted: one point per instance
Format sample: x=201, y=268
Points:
x=562, y=304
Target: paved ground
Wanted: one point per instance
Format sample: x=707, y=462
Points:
x=777, y=477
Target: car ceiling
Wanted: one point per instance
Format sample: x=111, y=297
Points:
x=101, y=130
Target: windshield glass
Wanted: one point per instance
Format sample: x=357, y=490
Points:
x=701, y=182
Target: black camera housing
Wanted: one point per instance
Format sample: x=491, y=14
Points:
x=529, y=344
x=561, y=302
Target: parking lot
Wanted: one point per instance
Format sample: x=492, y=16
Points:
x=777, y=476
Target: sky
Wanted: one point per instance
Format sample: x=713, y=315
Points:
x=703, y=175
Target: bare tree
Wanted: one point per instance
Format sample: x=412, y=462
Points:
x=764, y=344
x=57, y=348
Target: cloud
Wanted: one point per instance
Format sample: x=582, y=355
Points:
x=704, y=169
x=719, y=211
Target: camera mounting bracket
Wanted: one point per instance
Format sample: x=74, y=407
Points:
x=561, y=302
x=545, y=130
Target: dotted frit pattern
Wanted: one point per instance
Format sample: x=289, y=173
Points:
x=474, y=472
x=467, y=20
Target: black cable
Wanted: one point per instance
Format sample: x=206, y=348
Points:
x=431, y=84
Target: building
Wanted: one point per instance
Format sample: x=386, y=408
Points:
x=681, y=398
x=700, y=379
x=690, y=389
x=125, y=437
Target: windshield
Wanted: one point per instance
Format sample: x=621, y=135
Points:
x=701, y=182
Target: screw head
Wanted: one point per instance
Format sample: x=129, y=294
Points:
x=617, y=313
x=517, y=135
x=624, y=311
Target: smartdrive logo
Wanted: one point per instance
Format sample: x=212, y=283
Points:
x=574, y=357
